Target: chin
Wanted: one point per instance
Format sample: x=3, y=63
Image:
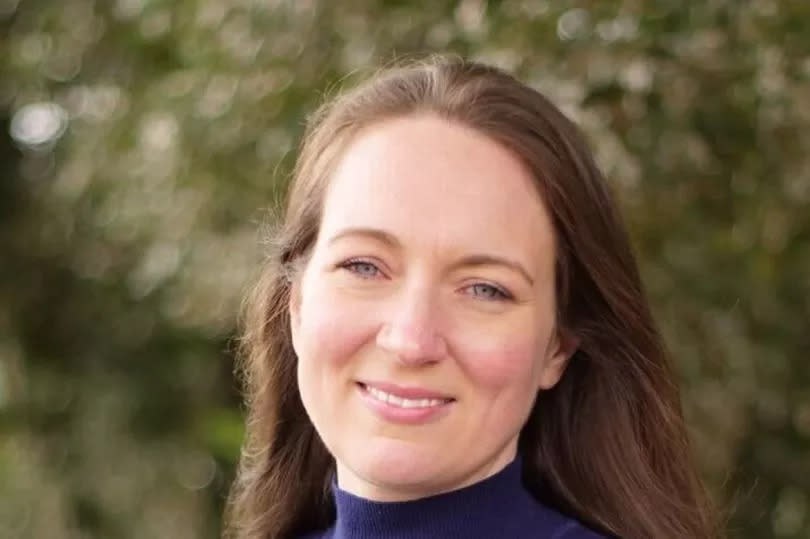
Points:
x=399, y=466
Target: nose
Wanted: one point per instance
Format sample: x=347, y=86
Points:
x=411, y=333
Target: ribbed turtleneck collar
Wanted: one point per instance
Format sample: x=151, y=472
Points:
x=497, y=507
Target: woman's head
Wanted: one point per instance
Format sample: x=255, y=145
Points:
x=431, y=279
x=449, y=238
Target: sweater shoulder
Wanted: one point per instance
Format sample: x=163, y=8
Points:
x=573, y=529
x=561, y=526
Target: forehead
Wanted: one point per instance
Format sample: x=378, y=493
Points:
x=434, y=183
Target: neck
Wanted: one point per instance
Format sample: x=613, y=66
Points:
x=350, y=482
x=498, y=506
x=470, y=511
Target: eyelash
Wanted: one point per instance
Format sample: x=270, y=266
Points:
x=351, y=265
x=499, y=293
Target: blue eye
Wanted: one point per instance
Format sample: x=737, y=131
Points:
x=361, y=268
x=489, y=292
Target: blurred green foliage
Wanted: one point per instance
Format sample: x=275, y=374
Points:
x=143, y=140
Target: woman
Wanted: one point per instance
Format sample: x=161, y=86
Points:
x=451, y=338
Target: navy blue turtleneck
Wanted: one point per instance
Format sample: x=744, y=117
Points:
x=497, y=507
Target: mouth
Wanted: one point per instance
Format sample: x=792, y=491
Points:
x=406, y=398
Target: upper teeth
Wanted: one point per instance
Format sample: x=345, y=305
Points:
x=401, y=402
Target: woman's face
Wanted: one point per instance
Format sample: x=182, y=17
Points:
x=424, y=320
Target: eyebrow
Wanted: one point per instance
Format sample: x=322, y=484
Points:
x=468, y=260
x=491, y=260
x=373, y=233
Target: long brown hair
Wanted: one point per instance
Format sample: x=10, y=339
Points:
x=606, y=445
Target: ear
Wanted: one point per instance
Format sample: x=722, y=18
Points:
x=562, y=346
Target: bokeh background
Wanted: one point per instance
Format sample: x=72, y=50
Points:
x=143, y=141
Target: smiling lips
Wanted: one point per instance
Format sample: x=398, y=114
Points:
x=404, y=405
x=389, y=398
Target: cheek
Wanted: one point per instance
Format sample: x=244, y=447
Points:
x=497, y=364
x=509, y=358
x=331, y=330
